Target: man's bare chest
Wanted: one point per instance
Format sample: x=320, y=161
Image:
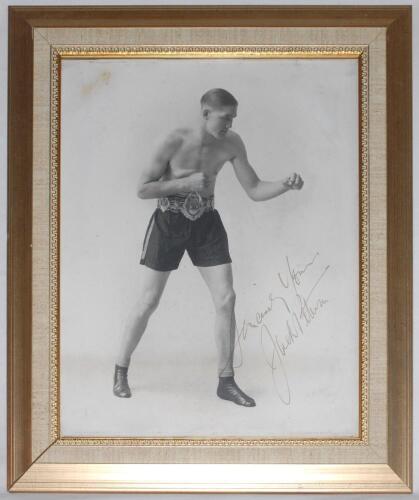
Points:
x=200, y=158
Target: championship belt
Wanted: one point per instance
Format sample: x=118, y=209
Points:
x=192, y=206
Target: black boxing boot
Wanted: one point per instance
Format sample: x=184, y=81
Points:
x=120, y=382
x=229, y=390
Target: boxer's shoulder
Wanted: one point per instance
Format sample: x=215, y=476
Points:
x=174, y=140
x=233, y=137
x=235, y=141
x=182, y=135
x=178, y=134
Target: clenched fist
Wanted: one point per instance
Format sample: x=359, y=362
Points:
x=294, y=181
x=197, y=182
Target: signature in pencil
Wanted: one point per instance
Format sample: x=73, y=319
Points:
x=297, y=310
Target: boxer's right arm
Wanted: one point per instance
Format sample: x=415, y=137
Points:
x=149, y=185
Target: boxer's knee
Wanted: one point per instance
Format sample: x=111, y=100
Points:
x=149, y=303
x=225, y=300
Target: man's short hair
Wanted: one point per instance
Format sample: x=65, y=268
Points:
x=218, y=97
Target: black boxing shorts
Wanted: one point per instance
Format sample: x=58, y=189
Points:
x=170, y=233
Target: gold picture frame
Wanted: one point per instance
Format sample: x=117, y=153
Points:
x=380, y=458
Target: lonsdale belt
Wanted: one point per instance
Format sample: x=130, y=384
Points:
x=192, y=206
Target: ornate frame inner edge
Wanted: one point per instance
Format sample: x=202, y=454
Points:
x=359, y=52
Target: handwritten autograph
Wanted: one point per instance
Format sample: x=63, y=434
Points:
x=297, y=319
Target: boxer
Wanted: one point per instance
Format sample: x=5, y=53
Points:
x=181, y=177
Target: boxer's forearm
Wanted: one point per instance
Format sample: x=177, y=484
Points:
x=264, y=190
x=158, y=189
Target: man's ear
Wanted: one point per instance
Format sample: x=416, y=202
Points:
x=205, y=113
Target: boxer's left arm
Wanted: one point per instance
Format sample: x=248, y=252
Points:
x=255, y=188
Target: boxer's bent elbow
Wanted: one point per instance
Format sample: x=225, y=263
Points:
x=253, y=194
x=143, y=192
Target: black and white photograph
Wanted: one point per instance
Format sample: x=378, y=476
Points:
x=210, y=247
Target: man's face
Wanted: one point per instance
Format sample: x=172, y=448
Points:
x=219, y=120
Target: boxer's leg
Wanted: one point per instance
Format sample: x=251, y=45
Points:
x=152, y=288
x=151, y=291
x=219, y=280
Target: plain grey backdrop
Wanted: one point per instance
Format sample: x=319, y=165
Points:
x=3, y=184
x=293, y=115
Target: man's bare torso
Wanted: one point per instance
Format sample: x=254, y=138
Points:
x=190, y=155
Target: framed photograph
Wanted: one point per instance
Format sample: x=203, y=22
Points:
x=210, y=249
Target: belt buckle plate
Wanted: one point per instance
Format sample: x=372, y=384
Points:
x=193, y=206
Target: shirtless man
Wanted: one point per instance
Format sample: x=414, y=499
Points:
x=182, y=177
